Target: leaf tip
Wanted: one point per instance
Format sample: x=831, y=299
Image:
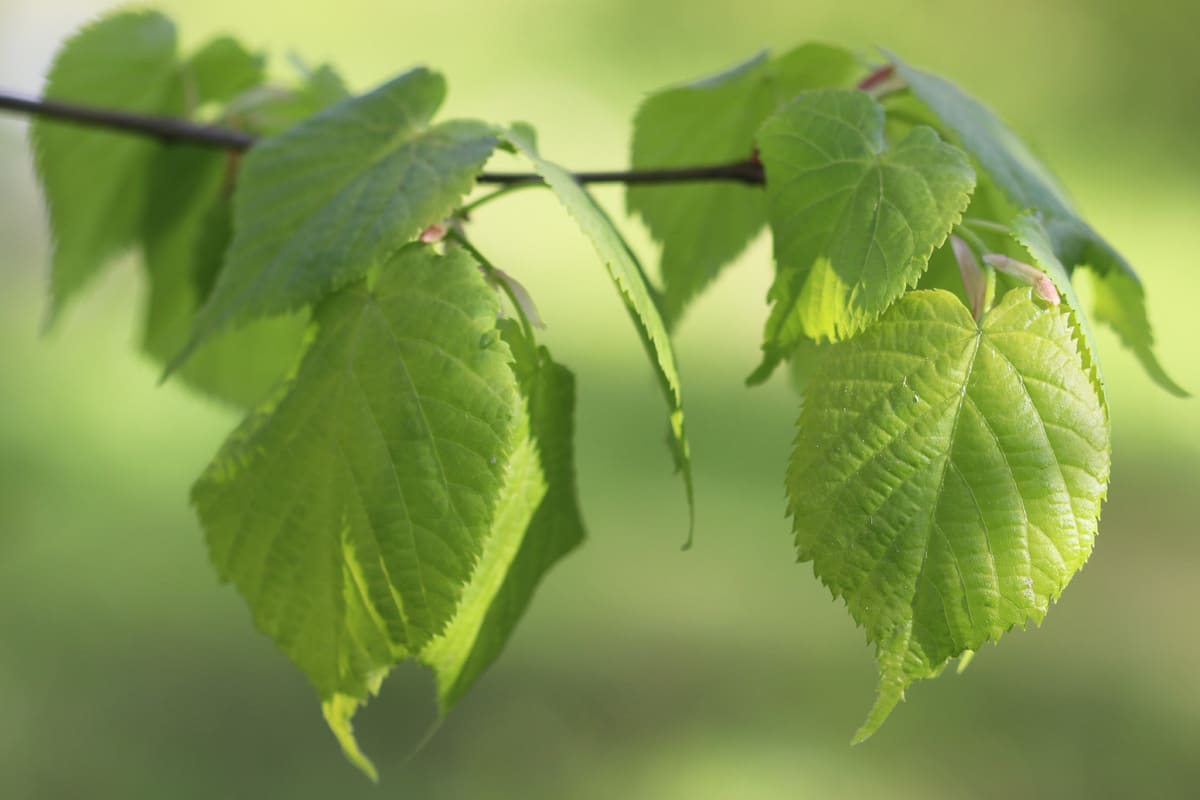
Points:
x=338, y=712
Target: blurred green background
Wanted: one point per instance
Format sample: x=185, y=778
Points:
x=126, y=671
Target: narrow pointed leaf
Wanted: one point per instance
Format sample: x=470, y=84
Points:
x=94, y=180
x=328, y=200
x=947, y=477
x=631, y=282
x=854, y=220
x=1028, y=184
x=702, y=227
x=351, y=513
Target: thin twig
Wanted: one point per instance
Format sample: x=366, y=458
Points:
x=170, y=129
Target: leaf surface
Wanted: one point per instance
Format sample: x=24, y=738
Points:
x=854, y=220
x=351, y=513
x=947, y=477
x=94, y=180
x=334, y=197
x=631, y=282
x=184, y=236
x=523, y=545
x=702, y=227
x=1028, y=184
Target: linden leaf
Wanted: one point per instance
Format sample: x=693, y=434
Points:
x=703, y=226
x=332, y=198
x=854, y=221
x=352, y=512
x=948, y=476
x=94, y=179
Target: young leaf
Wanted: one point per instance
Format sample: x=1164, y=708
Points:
x=1029, y=184
x=351, y=513
x=93, y=179
x=947, y=477
x=328, y=200
x=854, y=221
x=183, y=240
x=702, y=227
x=631, y=282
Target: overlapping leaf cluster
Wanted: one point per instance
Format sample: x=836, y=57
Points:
x=948, y=470
x=404, y=476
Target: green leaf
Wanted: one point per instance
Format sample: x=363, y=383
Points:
x=352, y=512
x=221, y=70
x=536, y=523
x=1030, y=233
x=518, y=555
x=334, y=197
x=702, y=227
x=947, y=477
x=631, y=282
x=1028, y=184
x=94, y=180
x=854, y=221
x=185, y=234
x=269, y=110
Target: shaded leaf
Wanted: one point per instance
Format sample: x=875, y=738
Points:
x=947, y=477
x=702, y=227
x=221, y=70
x=94, y=180
x=184, y=237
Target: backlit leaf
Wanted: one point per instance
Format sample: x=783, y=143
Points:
x=947, y=477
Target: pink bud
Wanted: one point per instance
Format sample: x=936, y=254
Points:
x=434, y=233
x=1019, y=269
x=974, y=281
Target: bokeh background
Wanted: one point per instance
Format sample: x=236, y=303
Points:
x=126, y=671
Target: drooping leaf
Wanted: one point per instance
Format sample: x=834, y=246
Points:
x=854, y=221
x=947, y=477
x=516, y=558
x=536, y=523
x=221, y=70
x=335, y=196
x=1029, y=184
x=94, y=180
x=183, y=240
x=702, y=227
x=351, y=512
x=631, y=282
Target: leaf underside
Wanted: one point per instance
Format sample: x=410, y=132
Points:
x=947, y=477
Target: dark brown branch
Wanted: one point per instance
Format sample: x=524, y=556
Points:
x=169, y=129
